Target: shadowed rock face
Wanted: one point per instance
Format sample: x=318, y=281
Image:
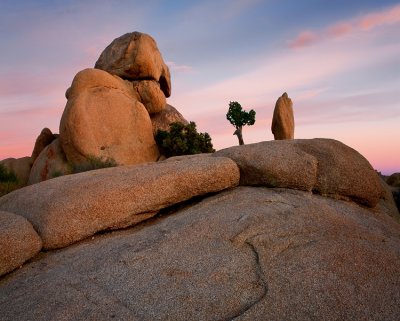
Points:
x=44, y=139
x=49, y=164
x=245, y=254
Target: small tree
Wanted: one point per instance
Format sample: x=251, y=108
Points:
x=183, y=140
x=239, y=118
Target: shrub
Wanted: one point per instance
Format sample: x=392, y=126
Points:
x=93, y=162
x=8, y=180
x=183, y=140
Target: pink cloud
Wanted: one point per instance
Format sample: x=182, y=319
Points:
x=366, y=22
x=304, y=39
x=390, y=16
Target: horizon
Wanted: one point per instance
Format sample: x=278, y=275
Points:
x=338, y=62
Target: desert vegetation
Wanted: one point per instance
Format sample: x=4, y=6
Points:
x=183, y=140
x=8, y=180
x=239, y=118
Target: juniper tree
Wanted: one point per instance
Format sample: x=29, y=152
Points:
x=239, y=118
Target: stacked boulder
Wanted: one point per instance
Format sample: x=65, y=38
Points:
x=113, y=113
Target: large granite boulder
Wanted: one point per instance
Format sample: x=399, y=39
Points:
x=150, y=95
x=18, y=242
x=44, y=139
x=21, y=167
x=169, y=115
x=103, y=119
x=135, y=56
x=51, y=163
x=283, y=119
x=324, y=166
x=251, y=253
x=69, y=208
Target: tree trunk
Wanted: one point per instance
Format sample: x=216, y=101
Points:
x=238, y=133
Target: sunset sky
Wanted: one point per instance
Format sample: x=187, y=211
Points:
x=338, y=60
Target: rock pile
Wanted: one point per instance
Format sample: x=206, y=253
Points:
x=269, y=251
x=113, y=112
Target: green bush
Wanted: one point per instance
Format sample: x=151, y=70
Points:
x=183, y=140
x=8, y=180
x=93, y=162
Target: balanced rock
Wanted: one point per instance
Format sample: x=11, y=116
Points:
x=162, y=120
x=103, y=119
x=135, y=56
x=18, y=241
x=283, y=119
x=44, y=139
x=324, y=166
x=72, y=207
x=51, y=163
x=250, y=253
x=21, y=167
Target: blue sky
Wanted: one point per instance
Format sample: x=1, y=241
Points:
x=339, y=61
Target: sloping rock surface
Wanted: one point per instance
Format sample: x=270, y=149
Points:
x=325, y=166
x=18, y=242
x=66, y=209
x=245, y=254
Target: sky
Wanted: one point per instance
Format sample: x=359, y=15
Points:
x=339, y=61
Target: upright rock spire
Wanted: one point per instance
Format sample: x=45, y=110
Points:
x=283, y=119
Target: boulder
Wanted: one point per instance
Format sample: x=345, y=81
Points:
x=20, y=166
x=69, y=208
x=283, y=119
x=51, y=163
x=44, y=139
x=135, y=56
x=162, y=120
x=250, y=253
x=18, y=241
x=102, y=119
x=273, y=164
x=394, y=180
x=150, y=95
x=324, y=166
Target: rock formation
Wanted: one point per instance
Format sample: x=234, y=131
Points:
x=113, y=112
x=104, y=119
x=265, y=252
x=283, y=119
x=20, y=166
x=51, y=163
x=18, y=241
x=73, y=207
x=163, y=119
x=44, y=139
x=135, y=56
